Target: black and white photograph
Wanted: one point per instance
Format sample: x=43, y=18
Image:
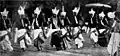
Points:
x=59, y=27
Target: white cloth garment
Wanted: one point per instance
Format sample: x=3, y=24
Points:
x=76, y=10
x=79, y=41
x=102, y=14
x=92, y=11
x=76, y=29
x=92, y=29
x=35, y=33
x=63, y=31
x=88, y=30
x=4, y=13
x=18, y=34
x=55, y=11
x=101, y=30
x=22, y=44
x=113, y=43
x=50, y=31
x=111, y=14
x=84, y=28
x=2, y=33
x=94, y=36
x=21, y=10
x=67, y=44
x=37, y=10
x=6, y=44
x=28, y=40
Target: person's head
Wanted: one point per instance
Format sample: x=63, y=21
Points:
x=4, y=14
x=111, y=15
x=92, y=12
x=102, y=15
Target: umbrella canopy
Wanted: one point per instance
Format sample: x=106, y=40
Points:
x=98, y=5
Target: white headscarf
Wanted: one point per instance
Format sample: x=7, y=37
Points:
x=37, y=10
x=76, y=10
x=111, y=14
x=102, y=14
x=21, y=10
x=55, y=11
x=92, y=11
x=4, y=13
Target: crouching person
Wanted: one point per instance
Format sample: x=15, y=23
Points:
x=24, y=42
x=22, y=38
x=94, y=37
x=79, y=41
x=56, y=40
x=6, y=44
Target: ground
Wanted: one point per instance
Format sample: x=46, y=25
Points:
x=71, y=52
x=87, y=50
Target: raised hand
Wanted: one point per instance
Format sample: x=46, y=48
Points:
x=111, y=14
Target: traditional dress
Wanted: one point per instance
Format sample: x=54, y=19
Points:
x=114, y=40
x=79, y=41
x=94, y=37
x=22, y=37
x=6, y=44
x=114, y=43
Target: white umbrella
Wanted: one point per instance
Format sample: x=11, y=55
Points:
x=98, y=5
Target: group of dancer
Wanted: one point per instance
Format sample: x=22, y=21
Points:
x=37, y=26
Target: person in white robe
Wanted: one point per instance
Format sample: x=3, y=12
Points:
x=114, y=40
x=26, y=39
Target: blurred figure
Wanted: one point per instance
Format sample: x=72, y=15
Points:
x=94, y=36
x=115, y=37
x=79, y=41
x=5, y=31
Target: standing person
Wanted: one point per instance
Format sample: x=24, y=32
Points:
x=5, y=21
x=5, y=31
x=54, y=19
x=63, y=18
x=22, y=35
x=115, y=36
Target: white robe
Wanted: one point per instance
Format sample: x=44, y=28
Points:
x=20, y=33
x=75, y=31
x=94, y=37
x=113, y=43
x=6, y=44
x=2, y=33
x=79, y=41
x=50, y=31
